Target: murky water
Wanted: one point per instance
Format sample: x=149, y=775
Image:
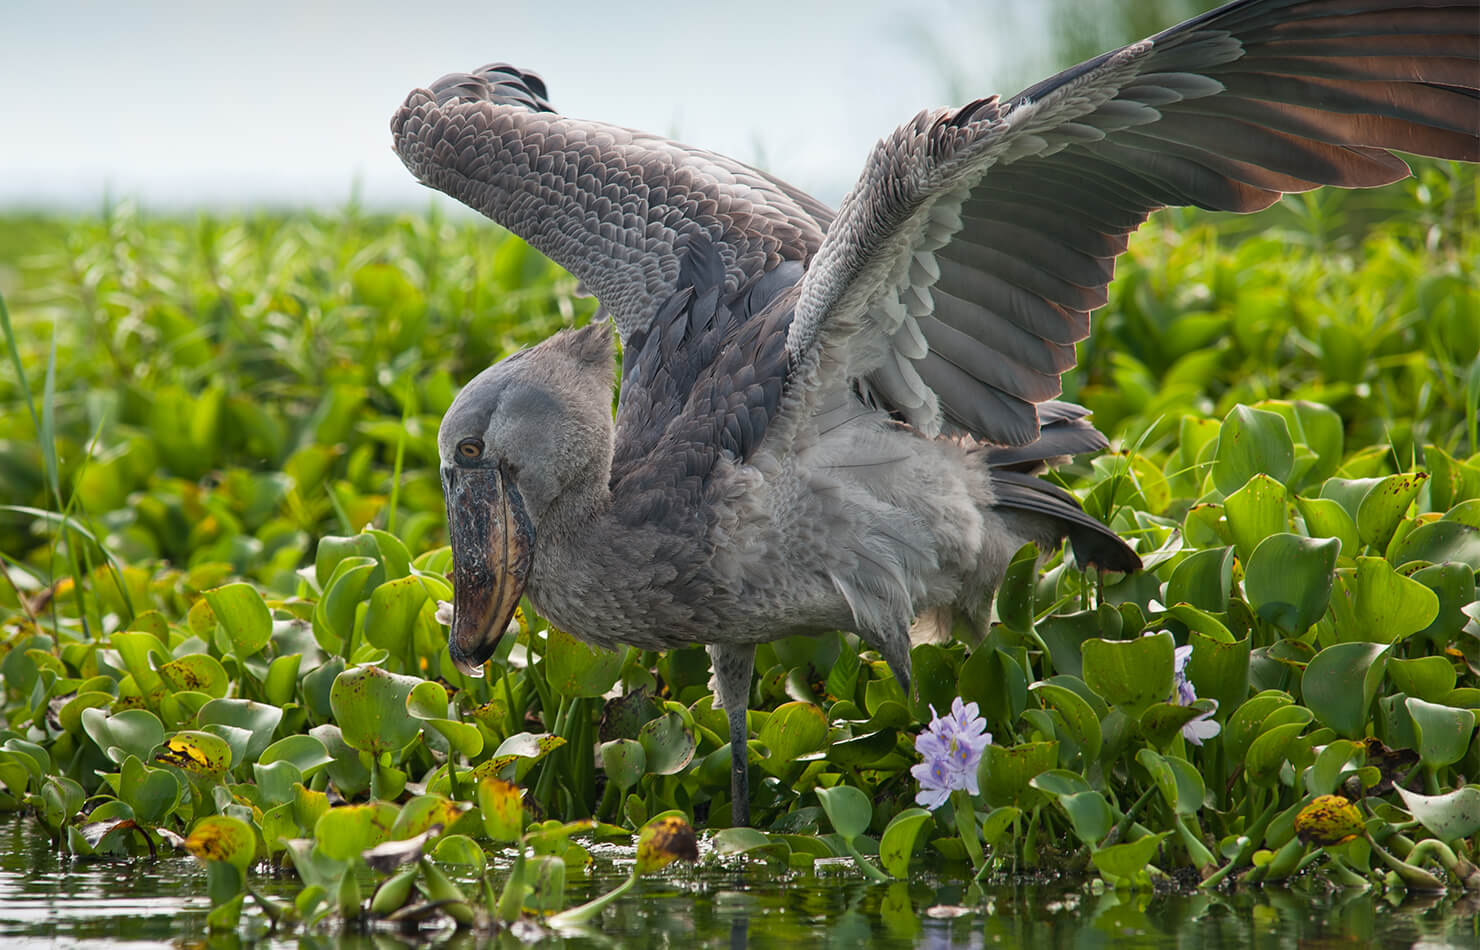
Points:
x=47, y=900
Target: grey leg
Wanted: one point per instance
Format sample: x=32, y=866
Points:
x=733, y=665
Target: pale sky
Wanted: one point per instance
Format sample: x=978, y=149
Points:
x=288, y=102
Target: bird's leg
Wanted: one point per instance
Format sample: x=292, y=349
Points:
x=733, y=664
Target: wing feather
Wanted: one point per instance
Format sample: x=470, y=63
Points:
x=998, y=224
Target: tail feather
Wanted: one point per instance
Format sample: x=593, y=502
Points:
x=1093, y=542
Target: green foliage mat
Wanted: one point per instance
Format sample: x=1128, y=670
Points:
x=223, y=548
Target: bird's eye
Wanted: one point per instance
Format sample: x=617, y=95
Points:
x=470, y=448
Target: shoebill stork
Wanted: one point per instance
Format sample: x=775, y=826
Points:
x=833, y=420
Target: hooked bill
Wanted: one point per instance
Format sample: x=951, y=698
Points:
x=492, y=549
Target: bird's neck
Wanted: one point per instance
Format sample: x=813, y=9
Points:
x=572, y=542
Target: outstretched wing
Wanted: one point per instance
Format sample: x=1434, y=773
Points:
x=615, y=207
x=963, y=267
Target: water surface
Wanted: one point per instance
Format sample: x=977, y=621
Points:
x=48, y=900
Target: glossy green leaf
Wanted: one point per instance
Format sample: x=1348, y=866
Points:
x=1251, y=442
x=792, y=730
x=196, y=673
x=258, y=719
x=1340, y=682
x=577, y=668
x=668, y=743
x=1203, y=579
x=1006, y=771
x=502, y=806
x=1128, y=861
x=390, y=618
x=344, y=831
x=1219, y=670
x=1326, y=518
x=900, y=840
x=244, y=616
x=131, y=732
x=221, y=839
x=1269, y=752
x=306, y=753
x=1288, y=580
x=1429, y=678
x=625, y=762
x=151, y=794
x=847, y=808
x=369, y=706
x=1131, y=674
x=1439, y=541
x=1081, y=723
x=1014, y=601
x=1255, y=512
x=1444, y=732
x=1384, y=605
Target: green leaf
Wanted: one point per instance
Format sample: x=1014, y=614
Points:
x=668, y=743
x=1014, y=601
x=791, y=731
x=933, y=677
x=369, y=705
x=334, y=617
x=1384, y=605
x=1219, y=670
x=502, y=805
x=1268, y=753
x=196, y=673
x=1429, y=678
x=1454, y=585
x=1131, y=674
x=259, y=720
x=344, y=831
x=993, y=680
x=1180, y=783
x=1080, y=722
x=1443, y=732
x=151, y=794
x=390, y=619
x=901, y=839
x=1128, y=861
x=1203, y=579
x=1255, y=512
x=1251, y=442
x=221, y=839
x=577, y=668
x=1339, y=684
x=1438, y=541
x=1288, y=580
x=848, y=810
x=306, y=753
x=1006, y=771
x=1325, y=518
x=244, y=616
x=1449, y=816
x=624, y=762
x=130, y=732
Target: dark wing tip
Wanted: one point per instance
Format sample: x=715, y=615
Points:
x=498, y=83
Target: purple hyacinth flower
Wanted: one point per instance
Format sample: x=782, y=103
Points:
x=950, y=747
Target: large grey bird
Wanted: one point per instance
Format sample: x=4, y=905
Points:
x=833, y=421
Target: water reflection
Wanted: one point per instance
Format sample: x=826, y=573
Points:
x=47, y=900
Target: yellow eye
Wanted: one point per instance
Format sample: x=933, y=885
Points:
x=470, y=448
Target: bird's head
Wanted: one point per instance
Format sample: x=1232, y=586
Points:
x=523, y=434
